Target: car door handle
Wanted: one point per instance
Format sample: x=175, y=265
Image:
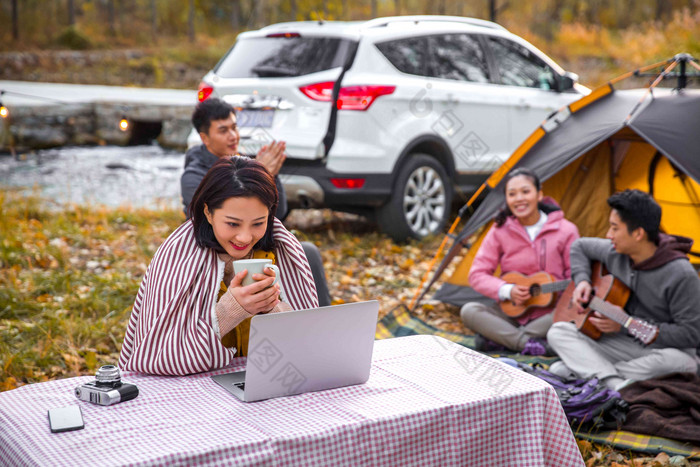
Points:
x=523, y=104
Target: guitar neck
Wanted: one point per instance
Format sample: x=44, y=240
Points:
x=556, y=286
x=610, y=311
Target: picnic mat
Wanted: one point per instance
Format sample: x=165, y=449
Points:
x=400, y=322
x=623, y=440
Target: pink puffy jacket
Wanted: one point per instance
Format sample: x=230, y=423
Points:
x=511, y=247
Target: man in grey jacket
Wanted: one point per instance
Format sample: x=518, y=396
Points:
x=215, y=121
x=665, y=291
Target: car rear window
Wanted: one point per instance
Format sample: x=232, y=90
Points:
x=275, y=57
x=407, y=55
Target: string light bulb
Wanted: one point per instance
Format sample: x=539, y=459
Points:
x=4, y=111
x=123, y=123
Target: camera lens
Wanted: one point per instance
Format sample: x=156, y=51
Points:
x=108, y=375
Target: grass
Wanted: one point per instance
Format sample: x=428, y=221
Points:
x=67, y=282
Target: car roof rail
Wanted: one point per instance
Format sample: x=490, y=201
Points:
x=382, y=22
x=293, y=24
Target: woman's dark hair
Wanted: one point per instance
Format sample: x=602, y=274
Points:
x=235, y=177
x=638, y=209
x=503, y=214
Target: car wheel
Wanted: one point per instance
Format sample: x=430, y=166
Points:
x=420, y=202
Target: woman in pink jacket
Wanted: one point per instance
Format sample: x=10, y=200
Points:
x=528, y=236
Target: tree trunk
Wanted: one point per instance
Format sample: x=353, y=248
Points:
x=663, y=10
x=190, y=22
x=293, y=10
x=71, y=13
x=256, y=9
x=154, y=20
x=325, y=10
x=110, y=17
x=397, y=7
x=374, y=8
x=346, y=10
x=236, y=15
x=554, y=22
x=492, y=10
x=15, y=20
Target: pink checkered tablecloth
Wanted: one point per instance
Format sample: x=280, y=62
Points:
x=428, y=401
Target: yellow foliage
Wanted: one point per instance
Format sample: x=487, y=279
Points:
x=8, y=383
x=90, y=360
x=44, y=298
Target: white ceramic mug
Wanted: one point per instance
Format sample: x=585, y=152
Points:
x=255, y=266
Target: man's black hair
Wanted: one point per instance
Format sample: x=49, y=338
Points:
x=638, y=209
x=208, y=110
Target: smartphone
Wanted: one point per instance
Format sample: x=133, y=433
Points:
x=66, y=419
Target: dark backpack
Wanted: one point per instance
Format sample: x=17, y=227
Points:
x=588, y=404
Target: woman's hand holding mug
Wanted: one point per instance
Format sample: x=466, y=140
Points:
x=255, y=285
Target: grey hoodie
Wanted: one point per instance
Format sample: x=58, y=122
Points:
x=665, y=288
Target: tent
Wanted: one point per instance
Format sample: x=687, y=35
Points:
x=605, y=142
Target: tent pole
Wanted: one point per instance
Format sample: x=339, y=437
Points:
x=432, y=263
x=638, y=70
x=651, y=87
x=694, y=65
x=420, y=292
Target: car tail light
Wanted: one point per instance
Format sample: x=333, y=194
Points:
x=204, y=91
x=348, y=182
x=319, y=91
x=361, y=97
x=286, y=35
x=349, y=97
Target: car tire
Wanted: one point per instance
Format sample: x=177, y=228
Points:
x=420, y=202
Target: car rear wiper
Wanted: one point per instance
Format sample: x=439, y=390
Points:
x=268, y=71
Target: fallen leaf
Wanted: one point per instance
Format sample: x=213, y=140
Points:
x=91, y=360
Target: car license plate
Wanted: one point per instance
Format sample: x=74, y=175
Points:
x=255, y=118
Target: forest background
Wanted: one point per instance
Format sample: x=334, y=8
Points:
x=175, y=42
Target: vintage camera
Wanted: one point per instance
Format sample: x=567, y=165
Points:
x=107, y=389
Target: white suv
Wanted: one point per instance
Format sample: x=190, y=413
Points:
x=388, y=117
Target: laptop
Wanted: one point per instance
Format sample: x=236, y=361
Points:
x=303, y=351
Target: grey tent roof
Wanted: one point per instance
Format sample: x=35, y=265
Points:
x=671, y=123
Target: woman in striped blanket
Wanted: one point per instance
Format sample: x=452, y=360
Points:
x=191, y=313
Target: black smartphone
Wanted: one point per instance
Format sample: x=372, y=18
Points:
x=66, y=419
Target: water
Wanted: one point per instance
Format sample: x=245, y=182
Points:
x=137, y=176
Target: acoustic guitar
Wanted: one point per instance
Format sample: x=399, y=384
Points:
x=609, y=296
x=542, y=291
